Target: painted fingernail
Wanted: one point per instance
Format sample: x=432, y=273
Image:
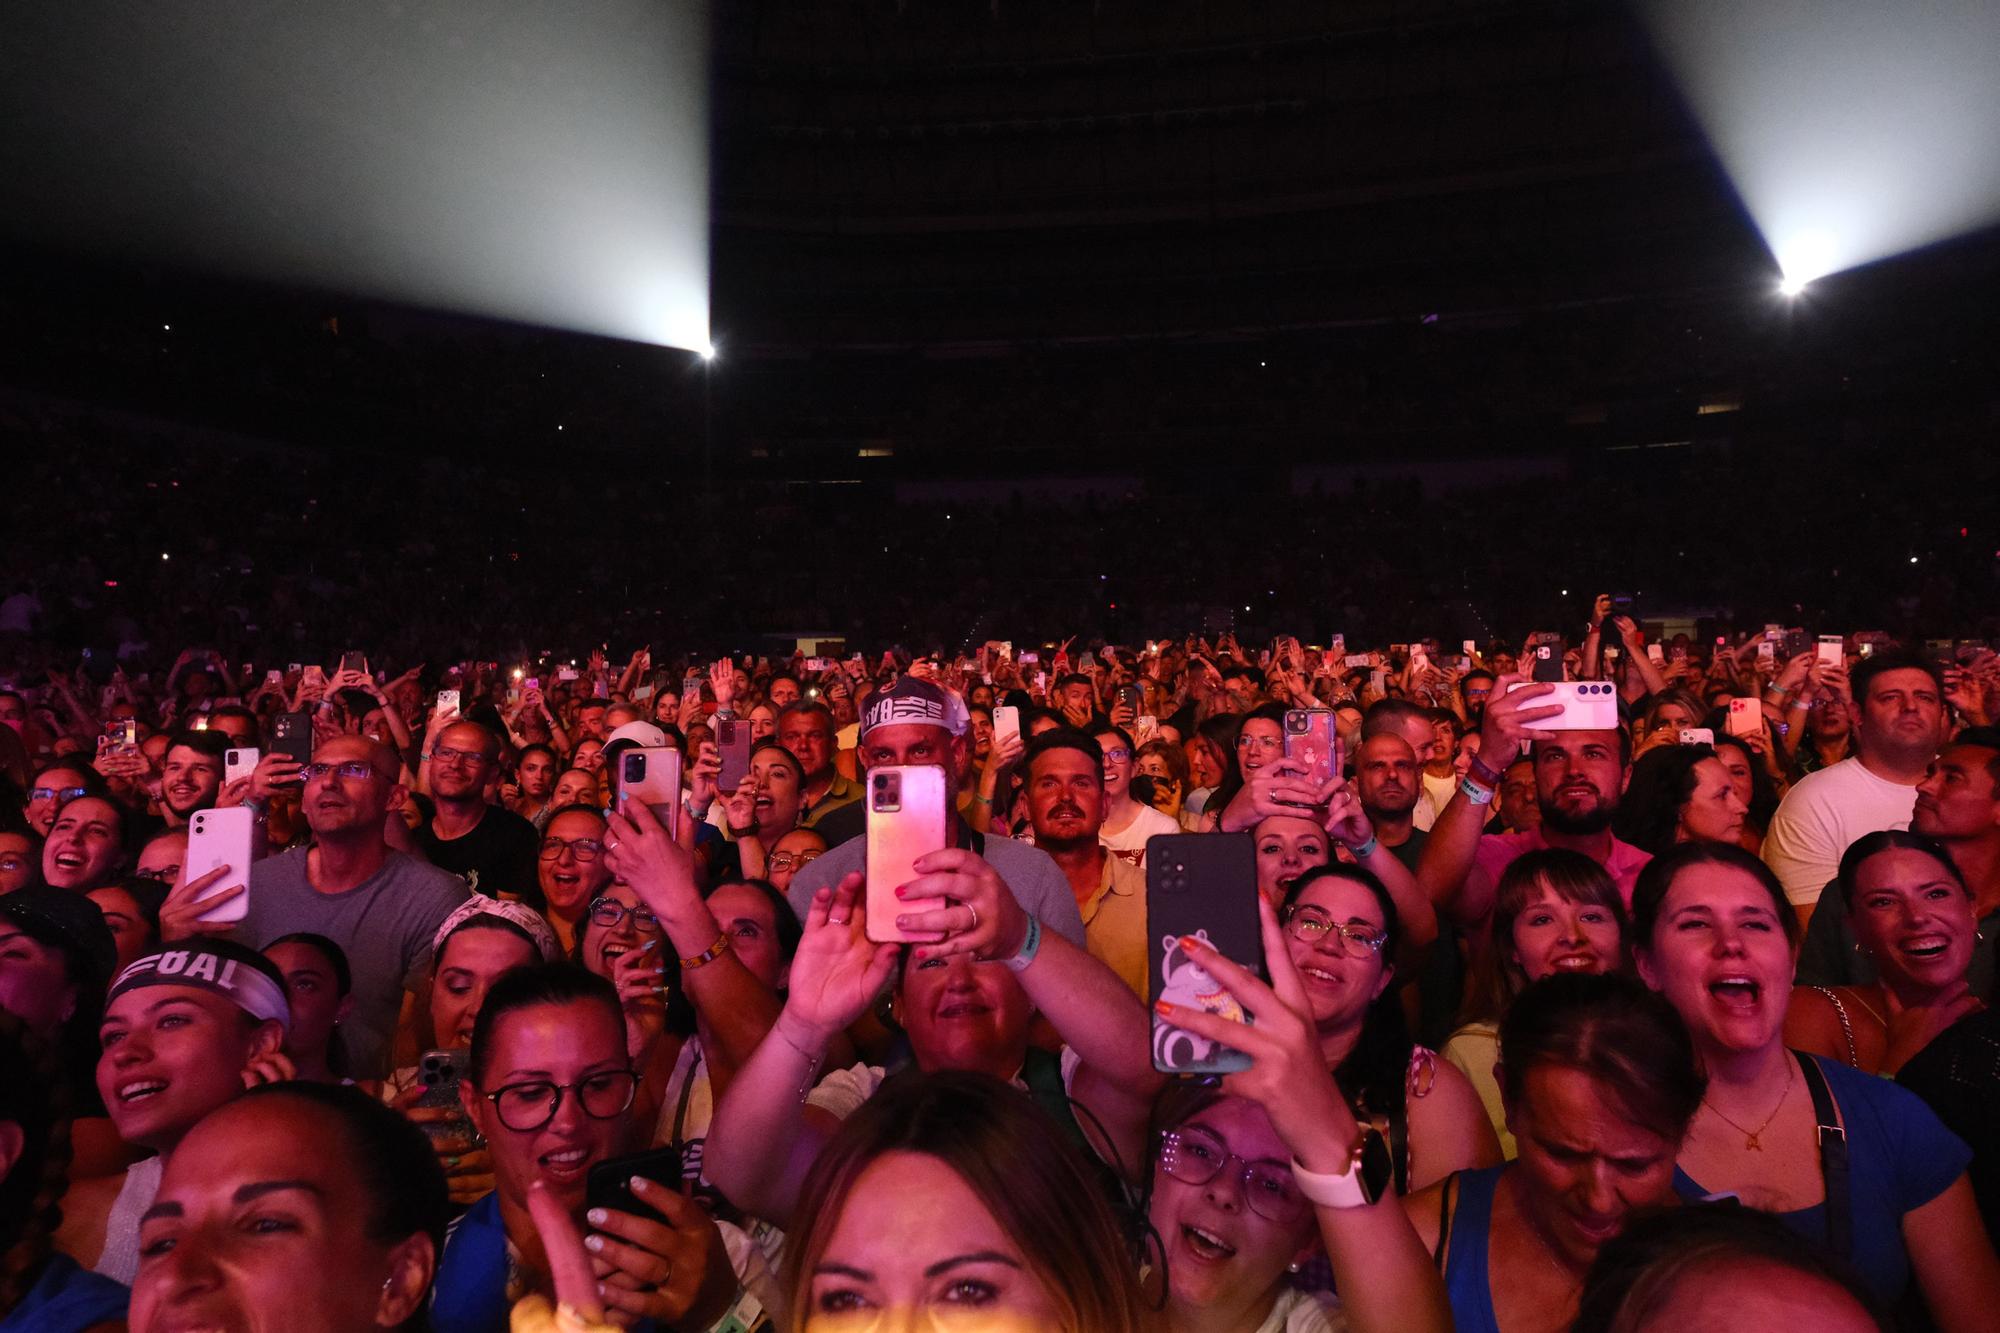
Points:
x=1190, y=942
x=640, y=1185
x=1162, y=1008
x=649, y=944
x=596, y=1217
x=593, y=1243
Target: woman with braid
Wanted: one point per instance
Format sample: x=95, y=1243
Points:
x=39, y=1288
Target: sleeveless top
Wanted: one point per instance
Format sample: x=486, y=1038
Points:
x=1463, y=1232
x=66, y=1299
x=120, y=1259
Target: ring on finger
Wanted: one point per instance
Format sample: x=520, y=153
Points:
x=975, y=916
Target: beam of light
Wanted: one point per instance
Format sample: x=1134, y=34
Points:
x=524, y=161
x=1854, y=130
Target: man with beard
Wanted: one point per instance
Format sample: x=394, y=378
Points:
x=379, y=905
x=1579, y=778
x=191, y=777
x=1066, y=808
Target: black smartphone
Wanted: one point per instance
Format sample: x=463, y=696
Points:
x=292, y=734
x=1204, y=885
x=609, y=1184
x=1129, y=696
x=1548, y=663
x=1796, y=642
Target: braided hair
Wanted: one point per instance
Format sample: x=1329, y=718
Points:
x=34, y=1094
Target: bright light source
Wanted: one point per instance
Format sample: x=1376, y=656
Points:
x=163, y=555
x=1791, y=286
x=708, y=351
x=1804, y=256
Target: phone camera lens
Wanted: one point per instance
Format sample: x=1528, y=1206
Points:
x=882, y=782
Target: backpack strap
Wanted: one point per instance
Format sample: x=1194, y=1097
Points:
x=1832, y=1159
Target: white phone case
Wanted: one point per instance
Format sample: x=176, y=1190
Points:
x=222, y=838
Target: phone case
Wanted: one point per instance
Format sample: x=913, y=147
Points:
x=1310, y=738
x=1548, y=667
x=732, y=742
x=908, y=818
x=222, y=838
x=292, y=734
x=1746, y=718
x=1204, y=885
x=1006, y=722
x=609, y=1184
x=651, y=775
x=238, y=764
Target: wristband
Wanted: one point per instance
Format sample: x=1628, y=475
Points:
x=1366, y=1179
x=1475, y=793
x=1485, y=775
x=1366, y=849
x=708, y=955
x=1031, y=944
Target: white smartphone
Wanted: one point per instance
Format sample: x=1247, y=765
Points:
x=1697, y=736
x=1006, y=722
x=222, y=838
x=239, y=763
x=1832, y=650
x=1587, y=705
x=652, y=775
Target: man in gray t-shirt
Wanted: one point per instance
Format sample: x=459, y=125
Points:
x=385, y=925
x=379, y=905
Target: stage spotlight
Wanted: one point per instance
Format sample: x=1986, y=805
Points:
x=708, y=351
x=1790, y=286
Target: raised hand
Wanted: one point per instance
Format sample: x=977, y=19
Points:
x=979, y=916
x=837, y=971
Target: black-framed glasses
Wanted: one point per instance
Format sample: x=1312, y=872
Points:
x=610, y=914
x=63, y=794
x=445, y=754
x=526, y=1107
x=354, y=769
x=1309, y=925
x=583, y=849
x=1195, y=1156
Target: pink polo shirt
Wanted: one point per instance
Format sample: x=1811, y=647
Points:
x=1497, y=851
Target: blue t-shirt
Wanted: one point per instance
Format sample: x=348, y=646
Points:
x=1900, y=1157
x=470, y=1293
x=67, y=1299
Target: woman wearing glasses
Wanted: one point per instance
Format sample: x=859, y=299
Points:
x=1341, y=930
x=551, y=1090
x=477, y=944
x=572, y=871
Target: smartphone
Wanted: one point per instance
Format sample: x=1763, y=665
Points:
x=1767, y=651
x=222, y=838
x=732, y=741
x=447, y=703
x=1678, y=652
x=1470, y=647
x=1129, y=696
x=819, y=664
x=292, y=735
x=1352, y=660
x=239, y=764
x=1006, y=722
x=532, y=683
x=315, y=675
x=1588, y=705
x=908, y=818
x=121, y=735
x=1145, y=728
x=1030, y=659
x=1832, y=650
x=1041, y=680
x=1697, y=736
x=354, y=662
x=1310, y=738
x=274, y=677
x=1795, y=643
x=1548, y=666
x=1086, y=661
x=565, y=674
x=1204, y=885
x=1654, y=655
x=1746, y=718
x=439, y=1073
x=609, y=1184
x=652, y=775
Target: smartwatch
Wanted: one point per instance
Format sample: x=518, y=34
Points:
x=1366, y=1179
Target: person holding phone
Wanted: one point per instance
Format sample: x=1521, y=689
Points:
x=966, y=1001
x=765, y=806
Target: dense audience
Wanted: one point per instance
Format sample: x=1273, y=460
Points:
x=605, y=989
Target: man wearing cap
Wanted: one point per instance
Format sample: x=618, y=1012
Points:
x=491, y=849
x=917, y=722
x=185, y=1031
x=378, y=904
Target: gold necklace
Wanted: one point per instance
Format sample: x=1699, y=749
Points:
x=1750, y=1136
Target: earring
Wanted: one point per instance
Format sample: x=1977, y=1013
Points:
x=1292, y=1267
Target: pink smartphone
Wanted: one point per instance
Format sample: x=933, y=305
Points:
x=652, y=775
x=1746, y=718
x=225, y=837
x=732, y=744
x=908, y=818
x=1310, y=738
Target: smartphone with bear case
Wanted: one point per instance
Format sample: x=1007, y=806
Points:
x=1204, y=885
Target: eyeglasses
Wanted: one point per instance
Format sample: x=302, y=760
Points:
x=583, y=849
x=790, y=860
x=1357, y=940
x=58, y=793
x=356, y=769
x=1195, y=1156
x=444, y=754
x=13, y=863
x=526, y=1107
x=610, y=914
x=1259, y=742
x=1117, y=754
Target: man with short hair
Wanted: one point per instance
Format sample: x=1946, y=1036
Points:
x=1475, y=687
x=1899, y=721
x=1066, y=784
x=1519, y=810
x=1127, y=824
x=1411, y=721
x=1958, y=803
x=783, y=691
x=491, y=849
x=1385, y=778
x=236, y=724
x=191, y=776
x=806, y=728
x=591, y=720
x=1075, y=697
x=917, y=722
x=379, y=905
x=1243, y=686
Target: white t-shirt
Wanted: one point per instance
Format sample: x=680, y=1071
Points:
x=1305, y=1312
x=1129, y=843
x=841, y=1092
x=1821, y=818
